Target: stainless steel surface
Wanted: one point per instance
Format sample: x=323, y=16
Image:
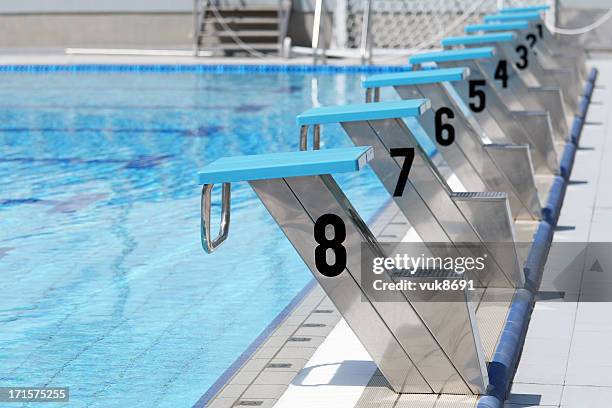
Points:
x=380, y=342
x=538, y=126
x=504, y=126
x=469, y=157
x=518, y=96
x=543, y=77
x=488, y=212
x=422, y=348
x=515, y=162
x=551, y=99
x=426, y=201
x=554, y=55
x=491, y=314
x=554, y=101
x=462, y=155
x=208, y=243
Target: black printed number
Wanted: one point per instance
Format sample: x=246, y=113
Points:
x=335, y=244
x=442, y=127
x=479, y=94
x=522, y=52
x=408, y=154
x=501, y=73
x=540, y=31
x=532, y=40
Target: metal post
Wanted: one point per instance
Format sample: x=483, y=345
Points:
x=195, y=27
x=366, y=54
x=316, y=28
x=340, y=34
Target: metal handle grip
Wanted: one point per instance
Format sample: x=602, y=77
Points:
x=316, y=139
x=209, y=244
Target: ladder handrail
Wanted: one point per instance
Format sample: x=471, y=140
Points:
x=284, y=14
x=316, y=32
x=199, y=12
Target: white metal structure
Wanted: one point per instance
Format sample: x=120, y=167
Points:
x=398, y=27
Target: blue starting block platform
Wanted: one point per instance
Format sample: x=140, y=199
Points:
x=282, y=165
x=487, y=27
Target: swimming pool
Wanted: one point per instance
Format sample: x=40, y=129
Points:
x=104, y=287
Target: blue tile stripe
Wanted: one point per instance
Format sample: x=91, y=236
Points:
x=507, y=354
x=213, y=68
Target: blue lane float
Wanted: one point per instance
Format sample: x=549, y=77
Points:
x=552, y=210
x=567, y=160
x=576, y=130
x=583, y=107
x=502, y=366
x=534, y=265
x=593, y=75
x=507, y=354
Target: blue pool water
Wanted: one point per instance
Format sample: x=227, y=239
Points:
x=104, y=287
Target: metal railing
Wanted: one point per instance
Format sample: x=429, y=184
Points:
x=284, y=15
x=366, y=35
x=316, y=33
x=200, y=7
x=319, y=47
